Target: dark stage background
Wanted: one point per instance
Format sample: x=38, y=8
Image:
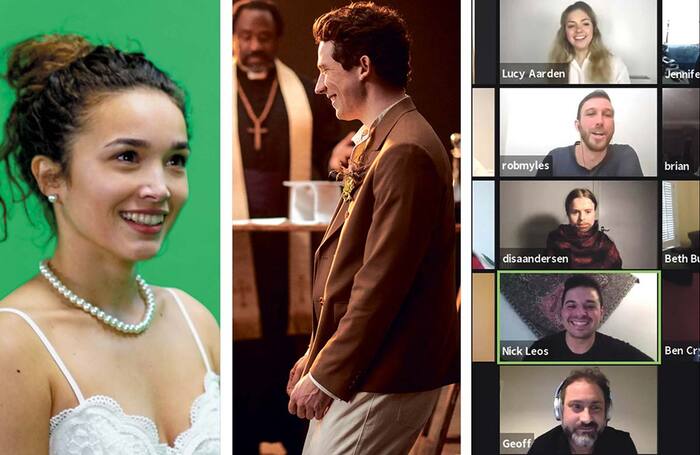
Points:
x=259, y=412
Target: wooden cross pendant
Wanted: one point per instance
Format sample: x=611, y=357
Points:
x=257, y=131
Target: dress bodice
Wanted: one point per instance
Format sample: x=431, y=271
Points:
x=99, y=426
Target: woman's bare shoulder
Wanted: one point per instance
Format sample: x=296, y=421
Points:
x=28, y=303
x=31, y=297
x=196, y=310
x=204, y=322
x=23, y=358
x=25, y=395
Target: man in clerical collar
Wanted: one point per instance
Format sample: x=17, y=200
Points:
x=386, y=331
x=281, y=131
x=258, y=28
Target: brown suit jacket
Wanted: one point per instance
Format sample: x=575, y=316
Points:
x=384, y=316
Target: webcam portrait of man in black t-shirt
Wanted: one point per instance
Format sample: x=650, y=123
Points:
x=581, y=314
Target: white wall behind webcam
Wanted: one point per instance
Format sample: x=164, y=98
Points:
x=528, y=28
x=680, y=21
x=534, y=121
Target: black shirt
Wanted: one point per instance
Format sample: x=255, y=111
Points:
x=605, y=348
x=266, y=169
x=609, y=442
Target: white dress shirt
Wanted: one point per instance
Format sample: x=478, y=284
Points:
x=618, y=73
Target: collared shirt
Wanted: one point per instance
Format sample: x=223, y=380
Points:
x=618, y=72
x=364, y=132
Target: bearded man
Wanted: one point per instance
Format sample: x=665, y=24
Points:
x=583, y=405
x=594, y=155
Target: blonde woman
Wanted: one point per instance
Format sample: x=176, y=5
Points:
x=579, y=43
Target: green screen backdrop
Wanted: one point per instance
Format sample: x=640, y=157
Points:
x=182, y=38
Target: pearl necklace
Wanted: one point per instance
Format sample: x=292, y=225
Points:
x=121, y=326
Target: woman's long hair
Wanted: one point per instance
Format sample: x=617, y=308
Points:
x=563, y=52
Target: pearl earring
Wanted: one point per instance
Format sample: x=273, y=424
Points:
x=52, y=198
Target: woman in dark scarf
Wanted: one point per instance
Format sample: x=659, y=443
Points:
x=581, y=241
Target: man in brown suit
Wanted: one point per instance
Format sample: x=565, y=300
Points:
x=385, y=327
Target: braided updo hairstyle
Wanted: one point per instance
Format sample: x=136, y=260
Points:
x=57, y=79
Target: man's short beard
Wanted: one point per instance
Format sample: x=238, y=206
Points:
x=259, y=71
x=586, y=440
x=591, y=146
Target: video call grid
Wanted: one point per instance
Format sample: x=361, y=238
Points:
x=660, y=176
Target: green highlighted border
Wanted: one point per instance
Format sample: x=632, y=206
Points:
x=568, y=272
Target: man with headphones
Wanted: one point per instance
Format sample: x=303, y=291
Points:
x=583, y=405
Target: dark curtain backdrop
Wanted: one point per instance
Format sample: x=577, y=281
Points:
x=435, y=53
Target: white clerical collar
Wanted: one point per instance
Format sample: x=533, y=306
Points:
x=364, y=132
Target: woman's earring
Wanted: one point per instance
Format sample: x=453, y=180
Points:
x=52, y=198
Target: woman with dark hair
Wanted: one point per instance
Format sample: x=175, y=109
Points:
x=581, y=240
x=94, y=360
x=579, y=43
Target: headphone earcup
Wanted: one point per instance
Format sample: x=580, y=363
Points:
x=557, y=402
